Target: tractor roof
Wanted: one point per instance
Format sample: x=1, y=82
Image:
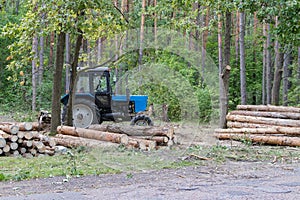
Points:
x=96, y=69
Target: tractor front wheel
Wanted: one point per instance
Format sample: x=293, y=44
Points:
x=84, y=113
x=141, y=120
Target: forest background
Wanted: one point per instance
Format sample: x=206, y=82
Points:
x=41, y=40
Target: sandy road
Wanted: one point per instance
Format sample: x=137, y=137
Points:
x=232, y=180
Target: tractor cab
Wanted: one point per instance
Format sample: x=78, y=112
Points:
x=95, y=102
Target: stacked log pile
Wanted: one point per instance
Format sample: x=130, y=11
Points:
x=139, y=137
x=265, y=124
x=24, y=139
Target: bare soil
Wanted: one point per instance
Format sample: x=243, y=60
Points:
x=229, y=180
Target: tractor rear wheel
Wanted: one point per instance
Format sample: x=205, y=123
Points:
x=84, y=113
x=141, y=120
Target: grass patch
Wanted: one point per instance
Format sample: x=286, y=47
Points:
x=82, y=161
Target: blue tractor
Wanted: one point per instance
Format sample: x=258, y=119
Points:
x=95, y=102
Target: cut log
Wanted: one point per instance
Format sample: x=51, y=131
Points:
x=16, y=153
x=4, y=135
x=27, y=143
x=281, y=115
x=45, y=139
x=231, y=124
x=38, y=144
x=142, y=143
x=6, y=149
x=13, y=146
x=273, y=140
x=22, y=150
x=20, y=141
x=135, y=130
x=24, y=126
x=271, y=130
x=27, y=155
x=20, y=134
x=72, y=141
x=2, y=142
x=158, y=139
x=269, y=108
x=49, y=152
x=1, y=151
x=264, y=120
x=33, y=151
x=90, y=134
x=13, y=138
x=28, y=135
x=12, y=129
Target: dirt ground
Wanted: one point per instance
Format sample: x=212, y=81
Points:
x=230, y=180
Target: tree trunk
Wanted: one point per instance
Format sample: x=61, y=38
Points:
x=268, y=66
x=278, y=71
x=41, y=66
x=237, y=41
x=242, y=60
x=73, y=79
x=68, y=61
x=155, y=24
x=254, y=75
x=34, y=72
x=142, y=33
x=52, y=38
x=264, y=81
x=224, y=91
x=286, y=75
x=57, y=82
x=223, y=99
x=204, y=43
x=298, y=74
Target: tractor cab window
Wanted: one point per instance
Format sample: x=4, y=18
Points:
x=100, y=83
x=82, y=85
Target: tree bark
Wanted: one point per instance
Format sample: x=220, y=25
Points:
x=278, y=71
x=264, y=81
x=52, y=38
x=57, y=82
x=73, y=79
x=41, y=66
x=222, y=123
x=72, y=141
x=135, y=130
x=12, y=129
x=268, y=66
x=242, y=60
x=142, y=33
x=273, y=140
x=91, y=134
x=269, y=108
x=264, y=120
x=34, y=78
x=204, y=43
x=266, y=131
x=281, y=115
x=286, y=75
x=68, y=61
